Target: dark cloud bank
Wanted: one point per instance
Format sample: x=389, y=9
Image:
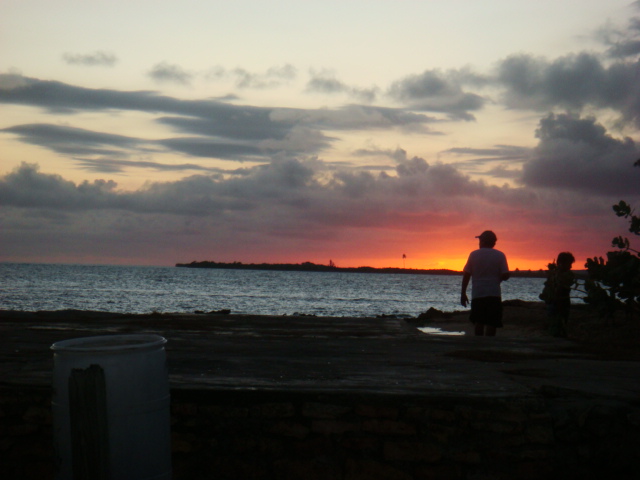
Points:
x=576, y=167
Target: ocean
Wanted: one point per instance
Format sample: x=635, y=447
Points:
x=143, y=289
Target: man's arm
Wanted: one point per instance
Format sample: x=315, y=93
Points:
x=505, y=270
x=464, y=300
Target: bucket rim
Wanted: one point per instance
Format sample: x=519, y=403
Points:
x=109, y=343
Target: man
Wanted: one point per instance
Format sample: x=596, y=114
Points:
x=487, y=268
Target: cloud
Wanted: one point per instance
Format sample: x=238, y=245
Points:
x=210, y=117
x=165, y=72
x=437, y=91
x=111, y=165
x=622, y=43
x=571, y=82
x=211, y=128
x=511, y=153
x=72, y=141
x=299, y=140
x=355, y=117
x=405, y=166
x=287, y=205
x=578, y=154
x=27, y=187
x=210, y=148
x=273, y=77
x=244, y=123
x=327, y=83
x=94, y=59
x=499, y=161
x=296, y=188
x=75, y=142
x=195, y=195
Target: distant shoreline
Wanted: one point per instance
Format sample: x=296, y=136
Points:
x=313, y=267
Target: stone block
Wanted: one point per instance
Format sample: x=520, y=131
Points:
x=184, y=409
x=362, y=443
x=469, y=457
x=416, y=413
x=439, y=472
x=495, y=427
x=441, y=433
x=324, y=410
x=289, y=429
x=388, y=427
x=512, y=440
x=224, y=411
x=22, y=429
x=308, y=469
x=375, y=411
x=534, y=454
x=273, y=410
x=182, y=442
x=540, y=434
x=442, y=416
x=634, y=419
x=38, y=415
x=412, y=452
x=372, y=470
x=330, y=427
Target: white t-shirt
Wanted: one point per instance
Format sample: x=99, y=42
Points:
x=486, y=266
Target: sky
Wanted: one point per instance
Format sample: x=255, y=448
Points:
x=368, y=133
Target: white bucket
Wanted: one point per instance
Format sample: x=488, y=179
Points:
x=132, y=414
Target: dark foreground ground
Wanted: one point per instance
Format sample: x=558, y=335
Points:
x=259, y=397
x=213, y=351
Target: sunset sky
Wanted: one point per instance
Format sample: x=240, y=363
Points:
x=155, y=132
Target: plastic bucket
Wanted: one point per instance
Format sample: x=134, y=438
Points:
x=111, y=408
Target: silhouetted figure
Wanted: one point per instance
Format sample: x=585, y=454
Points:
x=486, y=268
x=557, y=293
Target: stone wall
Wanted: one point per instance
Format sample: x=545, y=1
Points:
x=285, y=435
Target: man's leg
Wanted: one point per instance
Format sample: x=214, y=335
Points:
x=479, y=329
x=491, y=331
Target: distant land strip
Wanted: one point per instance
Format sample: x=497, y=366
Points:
x=314, y=267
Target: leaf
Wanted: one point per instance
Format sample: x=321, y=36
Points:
x=622, y=209
x=621, y=243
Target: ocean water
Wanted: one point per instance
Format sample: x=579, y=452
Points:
x=123, y=289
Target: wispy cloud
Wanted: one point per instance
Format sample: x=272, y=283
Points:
x=243, y=78
x=327, y=83
x=95, y=59
x=165, y=72
x=210, y=128
x=72, y=141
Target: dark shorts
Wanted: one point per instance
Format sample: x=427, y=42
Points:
x=487, y=310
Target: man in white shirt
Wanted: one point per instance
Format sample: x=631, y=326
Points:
x=486, y=268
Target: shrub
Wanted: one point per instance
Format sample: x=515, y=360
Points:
x=614, y=282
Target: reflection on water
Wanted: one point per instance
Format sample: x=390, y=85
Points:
x=438, y=331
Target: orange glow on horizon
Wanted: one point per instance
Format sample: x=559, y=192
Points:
x=454, y=263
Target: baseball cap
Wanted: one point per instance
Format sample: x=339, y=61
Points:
x=488, y=235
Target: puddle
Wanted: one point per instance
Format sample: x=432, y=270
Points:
x=438, y=331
